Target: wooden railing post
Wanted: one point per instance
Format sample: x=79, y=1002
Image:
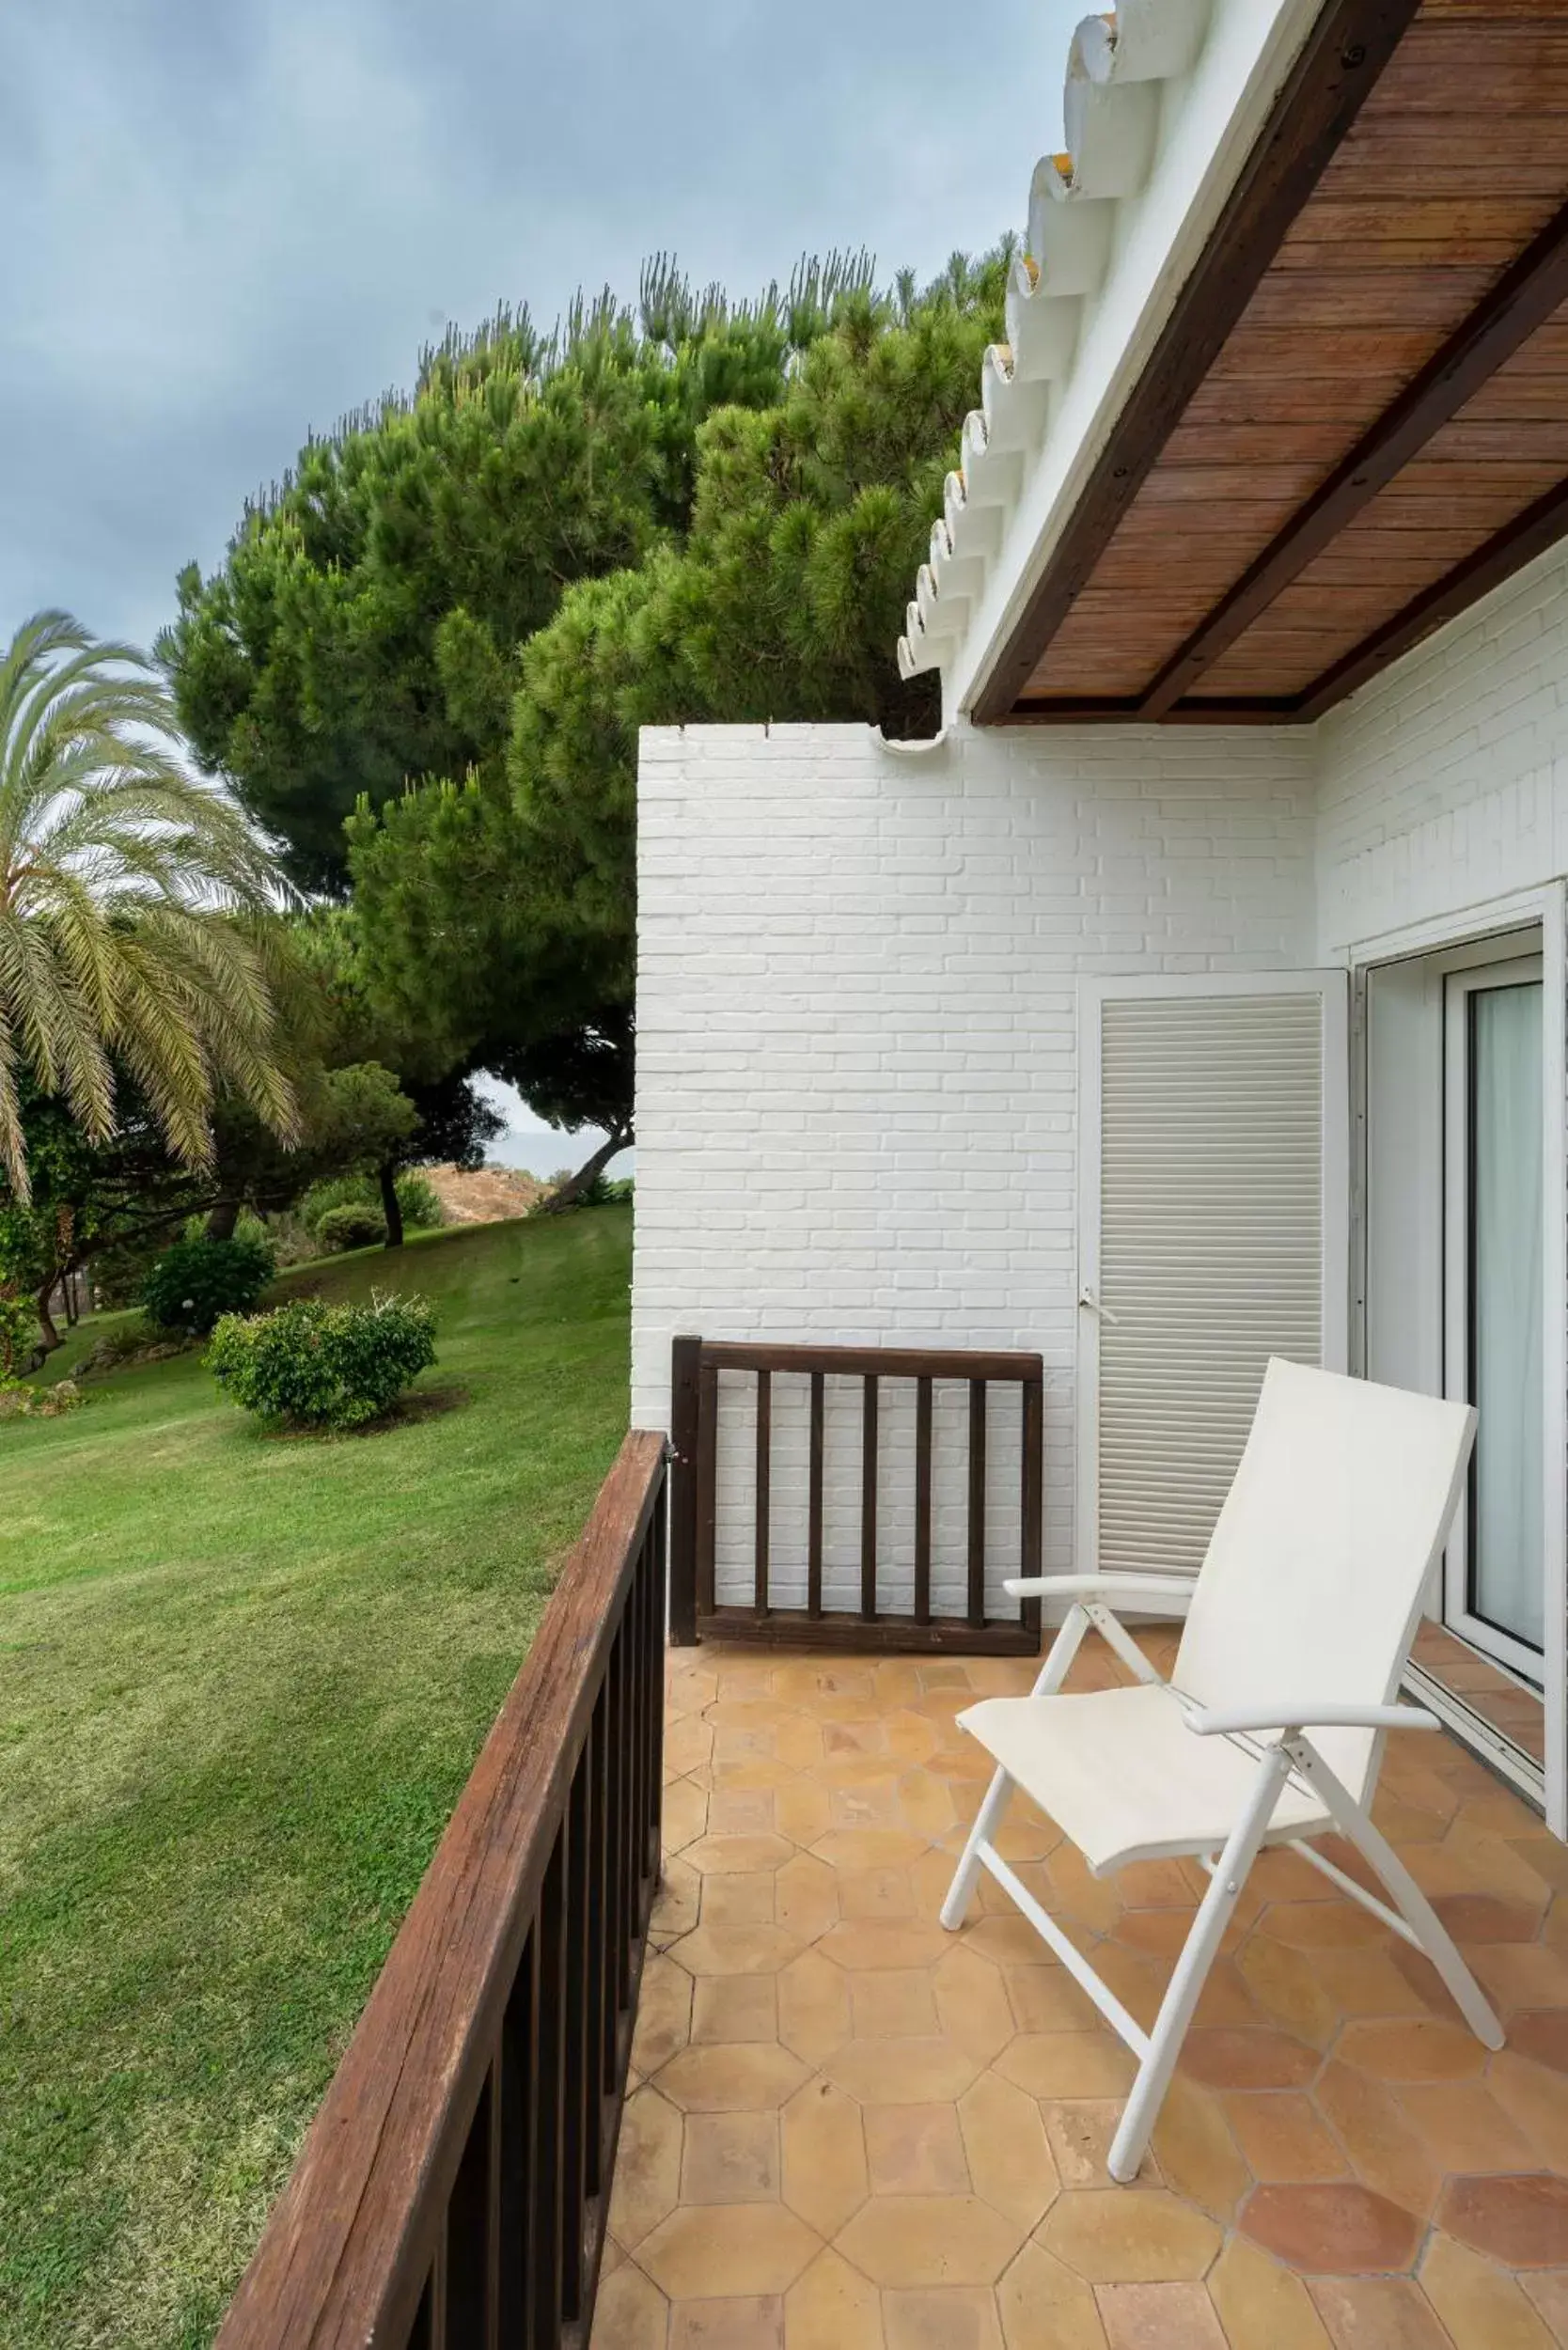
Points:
x=685, y=1421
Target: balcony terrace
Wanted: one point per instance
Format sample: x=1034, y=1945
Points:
x=848, y=2130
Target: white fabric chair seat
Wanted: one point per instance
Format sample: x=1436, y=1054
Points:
x=1124, y=1777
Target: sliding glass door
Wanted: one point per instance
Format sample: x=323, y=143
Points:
x=1494, y=1231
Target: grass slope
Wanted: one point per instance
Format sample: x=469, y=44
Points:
x=241, y=1682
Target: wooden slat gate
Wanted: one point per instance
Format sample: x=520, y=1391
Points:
x=695, y=1612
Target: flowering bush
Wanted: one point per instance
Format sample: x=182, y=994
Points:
x=322, y=1366
x=196, y=1280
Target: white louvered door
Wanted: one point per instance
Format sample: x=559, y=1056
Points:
x=1213, y=1233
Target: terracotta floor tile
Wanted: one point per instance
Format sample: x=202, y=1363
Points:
x=631, y=2313
x=1159, y=1931
x=1261, y=2304
x=730, y=2158
x=908, y=2242
x=893, y=2003
x=663, y=2013
x=1008, y=2157
x=1283, y=2137
x=1159, y=2317
x=902, y=2072
x=801, y=1811
x=734, y=2007
x=1388, y=2153
x=1249, y=2058
x=1198, y=2156
x=876, y=1893
x=1537, y=2099
x=915, y=2150
x=1044, y=2306
x=748, y=1898
x=1378, y=2314
x=676, y=1905
x=685, y=1813
x=869, y=1847
x=1377, y=1983
x=831, y=2306
x=1109, y=2236
x=813, y=2007
x=727, y=1856
x=688, y=1744
x=756, y=2323
x=1289, y=1986
x=1548, y=2293
x=1482, y=2309
x=956, y=2317
x=741, y=1811
x=1542, y=2034
x=826, y=2177
x=972, y=2003
x=1067, y=2063
x=732, y=2078
x=1423, y=2049
x=1465, y=2127
x=805, y=1896
x=1340, y=2230
x=1046, y=1999
x=760, y=2248
x=1545, y=1856
x=883, y=1943
x=647, y=2167
x=1488, y=1917
x=1521, y=1976
x=873, y=1803
x=735, y=1950
x=1520, y=2221
x=1079, y=2132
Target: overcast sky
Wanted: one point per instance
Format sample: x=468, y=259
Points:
x=227, y=221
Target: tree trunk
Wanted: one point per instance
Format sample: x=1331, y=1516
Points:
x=568, y=1193
x=72, y=1302
x=391, y=1204
x=46, y=1320
x=221, y=1219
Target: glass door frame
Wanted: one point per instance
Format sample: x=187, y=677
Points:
x=1465, y=933
x=1459, y=987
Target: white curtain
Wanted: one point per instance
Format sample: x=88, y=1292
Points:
x=1506, y=1576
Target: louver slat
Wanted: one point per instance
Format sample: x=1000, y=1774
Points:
x=1211, y=1250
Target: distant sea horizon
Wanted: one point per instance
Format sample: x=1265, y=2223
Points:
x=535, y=1149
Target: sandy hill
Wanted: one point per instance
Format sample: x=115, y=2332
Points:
x=487, y=1196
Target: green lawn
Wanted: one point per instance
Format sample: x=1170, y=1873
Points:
x=241, y=1682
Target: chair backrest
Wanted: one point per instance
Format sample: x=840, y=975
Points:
x=1313, y=1578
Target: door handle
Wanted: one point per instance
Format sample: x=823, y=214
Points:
x=1102, y=1313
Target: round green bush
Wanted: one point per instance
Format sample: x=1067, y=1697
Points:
x=195, y=1281
x=322, y=1366
x=350, y=1227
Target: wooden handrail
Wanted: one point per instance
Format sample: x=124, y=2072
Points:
x=412, y=2215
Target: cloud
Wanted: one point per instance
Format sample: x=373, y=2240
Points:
x=230, y=224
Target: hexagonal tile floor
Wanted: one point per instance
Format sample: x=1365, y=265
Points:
x=847, y=2130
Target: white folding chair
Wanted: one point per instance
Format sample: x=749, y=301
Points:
x=1271, y=1728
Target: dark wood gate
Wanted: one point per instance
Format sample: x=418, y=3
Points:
x=695, y=1613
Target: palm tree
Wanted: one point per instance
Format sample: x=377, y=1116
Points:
x=131, y=897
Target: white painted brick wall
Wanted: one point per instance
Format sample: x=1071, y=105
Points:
x=1445, y=783
x=856, y=1039
x=858, y=1007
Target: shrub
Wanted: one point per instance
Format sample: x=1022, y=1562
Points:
x=416, y=1195
x=18, y=1401
x=197, y=1280
x=350, y=1227
x=19, y=1330
x=323, y=1365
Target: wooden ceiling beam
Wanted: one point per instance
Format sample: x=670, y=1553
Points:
x=1530, y=534
x=1525, y=297
x=1332, y=77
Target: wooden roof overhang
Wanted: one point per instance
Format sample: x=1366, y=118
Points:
x=1355, y=421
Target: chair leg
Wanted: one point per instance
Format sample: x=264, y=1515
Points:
x=1409, y=1900
x=987, y=1820
x=1199, y=1953
x=1054, y=1672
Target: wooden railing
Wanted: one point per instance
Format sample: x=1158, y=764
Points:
x=452, y=2190
x=695, y=1611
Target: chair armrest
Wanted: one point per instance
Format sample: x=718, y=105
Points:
x=1220, y=1721
x=1129, y=1589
